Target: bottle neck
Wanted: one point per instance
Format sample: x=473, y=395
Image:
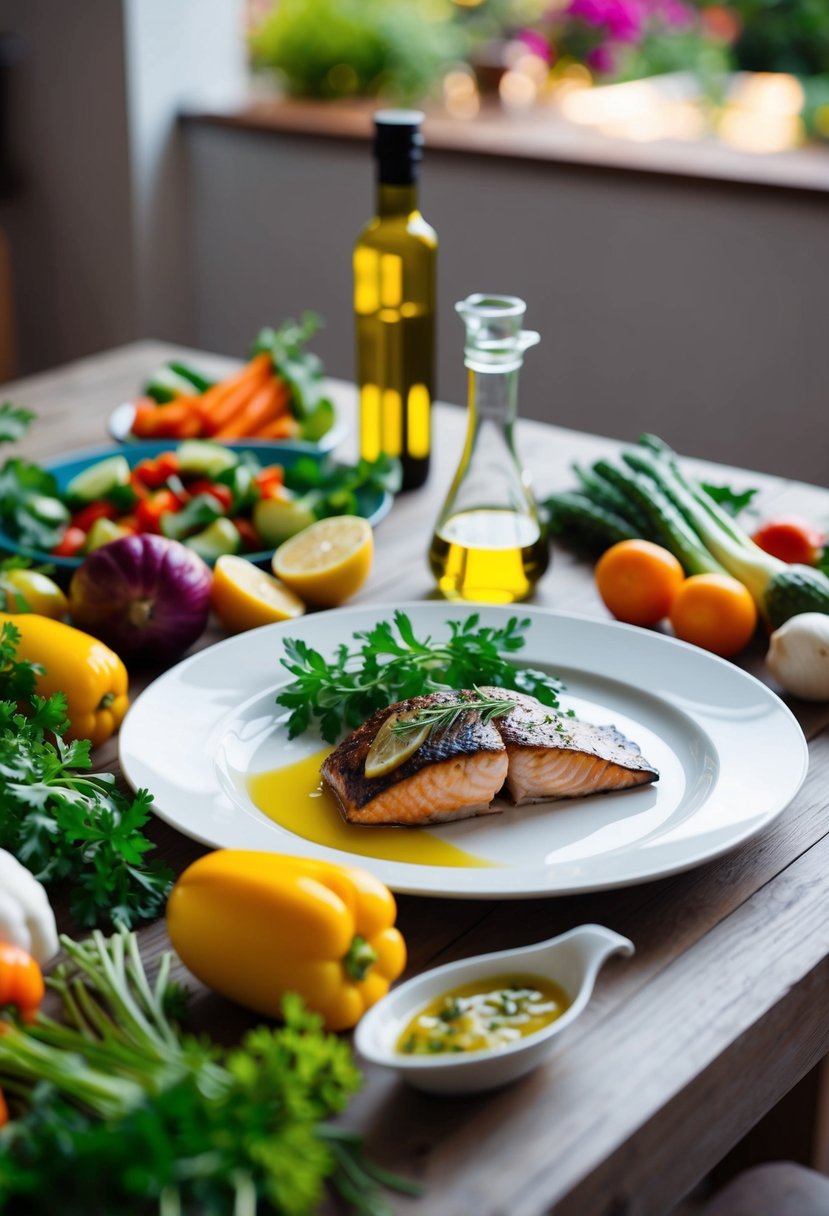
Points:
x=396, y=200
x=493, y=395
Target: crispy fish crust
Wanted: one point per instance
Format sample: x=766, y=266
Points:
x=455, y=773
x=553, y=756
x=533, y=752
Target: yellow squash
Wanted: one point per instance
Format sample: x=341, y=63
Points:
x=90, y=674
x=253, y=926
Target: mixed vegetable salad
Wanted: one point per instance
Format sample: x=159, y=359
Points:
x=214, y=499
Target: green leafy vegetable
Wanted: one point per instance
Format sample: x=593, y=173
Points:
x=14, y=422
x=731, y=501
x=331, y=489
x=63, y=822
x=300, y=369
x=122, y=1112
x=391, y=664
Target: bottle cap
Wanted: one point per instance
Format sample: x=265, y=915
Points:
x=494, y=334
x=398, y=145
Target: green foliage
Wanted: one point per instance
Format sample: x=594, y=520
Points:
x=121, y=1112
x=63, y=822
x=392, y=664
x=788, y=36
x=341, y=48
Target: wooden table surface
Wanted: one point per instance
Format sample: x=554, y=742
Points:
x=683, y=1048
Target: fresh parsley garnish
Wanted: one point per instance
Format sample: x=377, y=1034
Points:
x=63, y=822
x=391, y=664
x=14, y=422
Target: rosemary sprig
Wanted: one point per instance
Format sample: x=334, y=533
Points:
x=440, y=717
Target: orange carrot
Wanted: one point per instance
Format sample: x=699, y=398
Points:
x=176, y=420
x=285, y=427
x=266, y=405
x=221, y=402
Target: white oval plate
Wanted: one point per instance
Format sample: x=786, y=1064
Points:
x=730, y=754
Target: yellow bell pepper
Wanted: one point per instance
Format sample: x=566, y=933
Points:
x=91, y=675
x=253, y=926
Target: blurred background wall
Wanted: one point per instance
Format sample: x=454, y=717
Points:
x=694, y=308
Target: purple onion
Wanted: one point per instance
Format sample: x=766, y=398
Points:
x=145, y=596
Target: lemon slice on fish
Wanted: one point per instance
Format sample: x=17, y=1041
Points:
x=389, y=750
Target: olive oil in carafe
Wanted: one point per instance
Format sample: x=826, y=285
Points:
x=489, y=544
x=493, y=556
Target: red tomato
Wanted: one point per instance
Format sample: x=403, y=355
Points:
x=251, y=540
x=222, y=494
x=266, y=479
x=85, y=518
x=791, y=539
x=149, y=511
x=154, y=473
x=71, y=542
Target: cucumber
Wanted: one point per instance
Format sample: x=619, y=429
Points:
x=219, y=538
x=277, y=519
x=99, y=480
x=795, y=590
x=102, y=532
x=578, y=521
x=47, y=510
x=201, y=458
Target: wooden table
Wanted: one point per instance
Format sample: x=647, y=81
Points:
x=683, y=1049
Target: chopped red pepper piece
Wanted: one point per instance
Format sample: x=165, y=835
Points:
x=251, y=540
x=223, y=494
x=85, y=518
x=70, y=543
x=154, y=473
x=149, y=511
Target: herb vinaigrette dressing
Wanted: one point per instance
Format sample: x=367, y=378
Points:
x=295, y=798
x=484, y=1014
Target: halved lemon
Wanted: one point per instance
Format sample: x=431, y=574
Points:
x=244, y=597
x=388, y=750
x=328, y=561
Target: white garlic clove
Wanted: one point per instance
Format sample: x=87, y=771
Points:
x=798, y=656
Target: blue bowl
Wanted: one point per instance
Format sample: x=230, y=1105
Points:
x=373, y=505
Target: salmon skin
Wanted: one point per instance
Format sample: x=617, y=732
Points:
x=553, y=756
x=532, y=753
x=454, y=774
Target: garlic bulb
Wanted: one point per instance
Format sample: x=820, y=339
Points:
x=798, y=656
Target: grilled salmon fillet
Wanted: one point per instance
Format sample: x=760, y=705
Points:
x=454, y=774
x=532, y=752
x=553, y=756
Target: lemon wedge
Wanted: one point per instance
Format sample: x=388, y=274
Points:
x=389, y=750
x=327, y=562
x=244, y=597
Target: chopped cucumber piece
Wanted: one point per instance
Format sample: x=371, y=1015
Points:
x=166, y=385
x=203, y=458
x=219, y=538
x=47, y=509
x=102, y=532
x=277, y=519
x=99, y=480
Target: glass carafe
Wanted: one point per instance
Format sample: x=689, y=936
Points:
x=489, y=544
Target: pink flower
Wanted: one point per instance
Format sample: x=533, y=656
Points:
x=601, y=60
x=536, y=44
x=623, y=20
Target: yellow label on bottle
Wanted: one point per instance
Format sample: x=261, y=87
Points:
x=392, y=423
x=370, y=422
x=391, y=280
x=417, y=421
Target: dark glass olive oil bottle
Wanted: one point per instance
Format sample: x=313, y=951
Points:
x=394, y=303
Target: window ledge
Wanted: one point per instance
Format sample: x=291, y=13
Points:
x=538, y=135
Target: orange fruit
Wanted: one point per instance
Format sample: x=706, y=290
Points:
x=714, y=611
x=638, y=580
x=328, y=561
x=244, y=597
